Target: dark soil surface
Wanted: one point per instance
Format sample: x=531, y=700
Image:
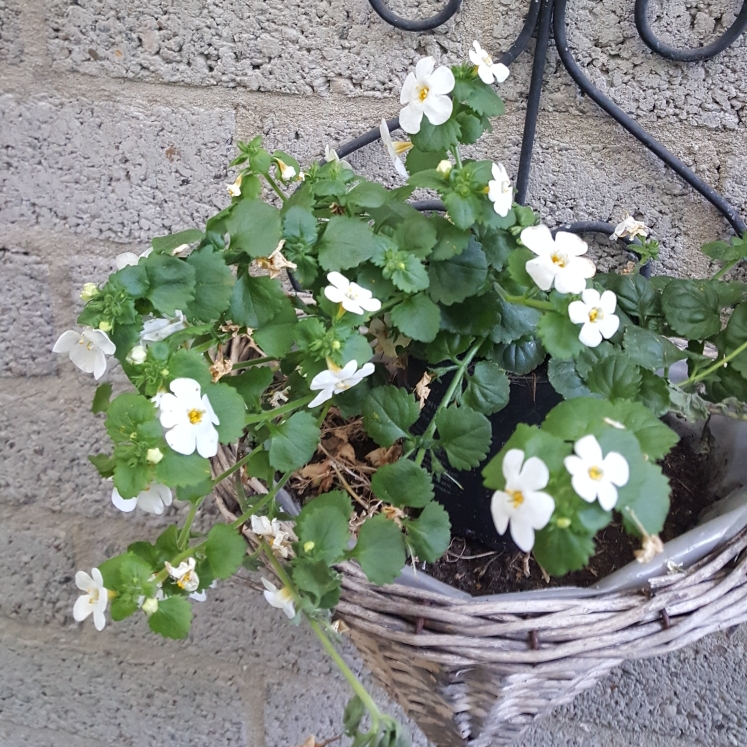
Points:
x=472, y=567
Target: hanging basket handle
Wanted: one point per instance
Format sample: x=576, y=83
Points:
x=405, y=24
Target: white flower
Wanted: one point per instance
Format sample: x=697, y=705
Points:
x=444, y=168
x=353, y=298
x=278, y=535
x=522, y=501
x=332, y=382
x=500, y=192
x=488, y=70
x=130, y=258
x=189, y=419
x=287, y=172
x=87, y=349
x=235, y=189
x=137, y=355
x=594, y=476
x=152, y=500
x=330, y=154
x=201, y=596
x=559, y=260
x=425, y=92
x=630, y=227
x=184, y=574
x=94, y=600
x=395, y=148
x=280, y=598
x=155, y=330
x=276, y=262
x=597, y=314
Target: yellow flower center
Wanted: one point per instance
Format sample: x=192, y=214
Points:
x=596, y=473
x=93, y=594
x=487, y=60
x=516, y=497
x=423, y=92
x=195, y=416
x=184, y=580
x=558, y=259
x=596, y=315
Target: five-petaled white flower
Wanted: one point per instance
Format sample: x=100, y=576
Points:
x=278, y=535
x=500, y=192
x=87, y=349
x=353, y=298
x=94, y=600
x=559, y=261
x=332, y=382
x=189, y=419
x=184, y=574
x=597, y=314
x=425, y=92
x=155, y=330
x=488, y=70
x=630, y=227
x=280, y=598
x=522, y=502
x=235, y=189
x=395, y=148
x=595, y=476
x=152, y=500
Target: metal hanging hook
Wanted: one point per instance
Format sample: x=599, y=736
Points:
x=404, y=24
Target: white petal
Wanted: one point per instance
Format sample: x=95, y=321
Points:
x=126, y=259
x=591, y=297
x=410, y=118
x=409, y=90
x=616, y=469
x=370, y=304
x=522, y=533
x=441, y=82
x=534, y=474
x=66, y=342
x=589, y=450
x=486, y=74
x=334, y=294
x=209, y=412
x=322, y=397
x=570, y=243
x=351, y=305
x=503, y=204
x=269, y=586
x=399, y=167
x=567, y=280
x=366, y=370
x=501, y=72
x=542, y=271
x=123, y=504
x=386, y=136
x=539, y=507
x=424, y=69
x=172, y=412
x=512, y=461
x=574, y=464
x=590, y=334
x=607, y=494
x=83, y=581
x=99, y=365
x=323, y=380
x=182, y=439
x=578, y=312
x=584, y=486
x=499, y=508
x=609, y=325
x=187, y=390
x=84, y=358
x=474, y=56
x=338, y=280
x=207, y=442
x=82, y=608
x=289, y=610
x=99, y=621
x=101, y=341
x=608, y=302
x=437, y=108
x=538, y=239
x=347, y=370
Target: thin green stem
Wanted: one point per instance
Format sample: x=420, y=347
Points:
x=457, y=157
x=532, y=304
x=236, y=466
x=264, y=501
x=276, y=412
x=700, y=375
x=323, y=413
x=726, y=268
x=253, y=362
x=275, y=187
x=183, y=537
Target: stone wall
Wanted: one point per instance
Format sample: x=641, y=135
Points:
x=117, y=121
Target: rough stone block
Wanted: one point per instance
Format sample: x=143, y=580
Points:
x=290, y=46
x=26, y=321
x=13, y=735
x=37, y=568
x=11, y=44
x=117, y=171
x=108, y=700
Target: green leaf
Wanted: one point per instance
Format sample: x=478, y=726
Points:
x=388, y=414
x=476, y=317
x=559, y=335
x=446, y=346
x=516, y=322
x=251, y=384
x=472, y=127
x=230, y=409
x=432, y=138
x=293, y=442
x=346, y=242
x=635, y=295
x=225, y=549
x=416, y=234
x=465, y=435
x=691, y=308
x=214, y=284
x=560, y=551
x=129, y=479
x=417, y=317
x=125, y=413
x=734, y=335
x=353, y=715
x=299, y=226
x=380, y=550
x=194, y=493
x=101, y=398
x=650, y=350
x=316, y=580
x=453, y=280
x=565, y=379
x=479, y=96
x=451, y=240
x=418, y=160
x=517, y=267
x=593, y=517
x=134, y=279
x=409, y=275
x=254, y=227
x=430, y=534
x=189, y=364
x=276, y=338
x=367, y=195
x=520, y=356
x=654, y=393
x=726, y=252
x=104, y=464
x=463, y=210
x=172, y=619
x=172, y=283
x=646, y=495
x=178, y=470
x=615, y=377
x=403, y=483
x=324, y=521
x=498, y=246
x=256, y=301
x=165, y=244
x=487, y=388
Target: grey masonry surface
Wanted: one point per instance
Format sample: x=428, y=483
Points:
x=117, y=122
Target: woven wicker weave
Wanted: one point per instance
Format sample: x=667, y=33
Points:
x=479, y=672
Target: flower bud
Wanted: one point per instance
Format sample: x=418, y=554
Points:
x=89, y=291
x=154, y=456
x=137, y=355
x=308, y=546
x=286, y=172
x=444, y=168
x=105, y=326
x=150, y=606
x=563, y=522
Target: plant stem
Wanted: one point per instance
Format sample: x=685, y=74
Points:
x=253, y=362
x=278, y=411
x=456, y=382
x=457, y=157
x=715, y=367
x=183, y=537
x=236, y=466
x=275, y=187
x=726, y=268
x=524, y=301
x=263, y=502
